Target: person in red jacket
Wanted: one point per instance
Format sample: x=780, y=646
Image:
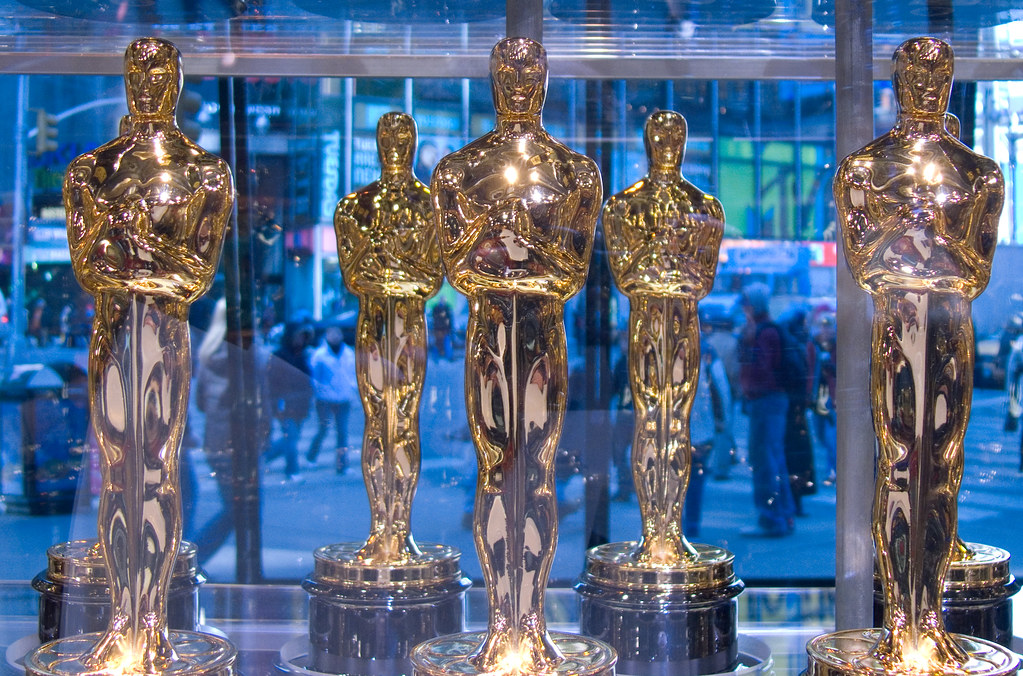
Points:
x=760, y=364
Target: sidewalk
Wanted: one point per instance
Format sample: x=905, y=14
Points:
x=326, y=508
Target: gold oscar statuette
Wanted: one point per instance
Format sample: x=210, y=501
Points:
x=515, y=213
x=979, y=584
x=146, y=217
x=663, y=235
x=364, y=595
x=919, y=216
x=390, y=259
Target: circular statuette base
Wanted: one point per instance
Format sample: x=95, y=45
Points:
x=850, y=652
x=340, y=564
x=614, y=565
x=633, y=606
x=449, y=655
x=198, y=655
x=987, y=567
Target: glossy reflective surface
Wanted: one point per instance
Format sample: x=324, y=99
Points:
x=853, y=652
x=919, y=213
x=663, y=235
x=390, y=259
x=582, y=657
x=516, y=212
x=146, y=217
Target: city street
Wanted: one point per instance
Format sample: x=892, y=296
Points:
x=324, y=507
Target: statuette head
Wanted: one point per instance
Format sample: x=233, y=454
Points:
x=922, y=76
x=396, y=140
x=518, y=77
x=665, y=139
x=152, y=78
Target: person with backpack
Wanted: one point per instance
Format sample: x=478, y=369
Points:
x=798, y=359
x=762, y=378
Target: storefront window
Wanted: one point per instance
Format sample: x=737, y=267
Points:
x=762, y=143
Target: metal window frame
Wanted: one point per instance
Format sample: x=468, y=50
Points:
x=820, y=69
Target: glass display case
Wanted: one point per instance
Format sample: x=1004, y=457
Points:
x=775, y=93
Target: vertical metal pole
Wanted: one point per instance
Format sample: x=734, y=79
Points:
x=239, y=286
x=988, y=120
x=465, y=112
x=715, y=137
x=797, y=228
x=854, y=127
x=349, y=112
x=599, y=126
x=620, y=131
x=16, y=306
x=757, y=226
x=600, y=119
x=408, y=81
x=524, y=19
x=1012, y=139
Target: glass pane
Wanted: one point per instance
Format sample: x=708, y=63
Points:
x=765, y=148
x=974, y=29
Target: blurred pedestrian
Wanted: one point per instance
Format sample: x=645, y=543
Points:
x=718, y=333
x=290, y=391
x=799, y=383
x=624, y=422
x=709, y=432
x=215, y=399
x=333, y=371
x=442, y=343
x=37, y=331
x=761, y=373
x=825, y=418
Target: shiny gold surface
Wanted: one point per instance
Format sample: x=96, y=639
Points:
x=389, y=257
x=919, y=214
x=615, y=565
x=195, y=655
x=82, y=562
x=663, y=235
x=853, y=652
x=986, y=566
x=146, y=216
x=449, y=655
x=343, y=565
x=515, y=212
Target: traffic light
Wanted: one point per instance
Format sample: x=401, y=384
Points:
x=46, y=131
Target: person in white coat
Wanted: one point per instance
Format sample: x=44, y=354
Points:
x=333, y=370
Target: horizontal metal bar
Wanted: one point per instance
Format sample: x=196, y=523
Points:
x=968, y=69
x=257, y=65
x=446, y=66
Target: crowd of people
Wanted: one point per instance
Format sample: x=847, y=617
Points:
x=786, y=386
x=780, y=373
